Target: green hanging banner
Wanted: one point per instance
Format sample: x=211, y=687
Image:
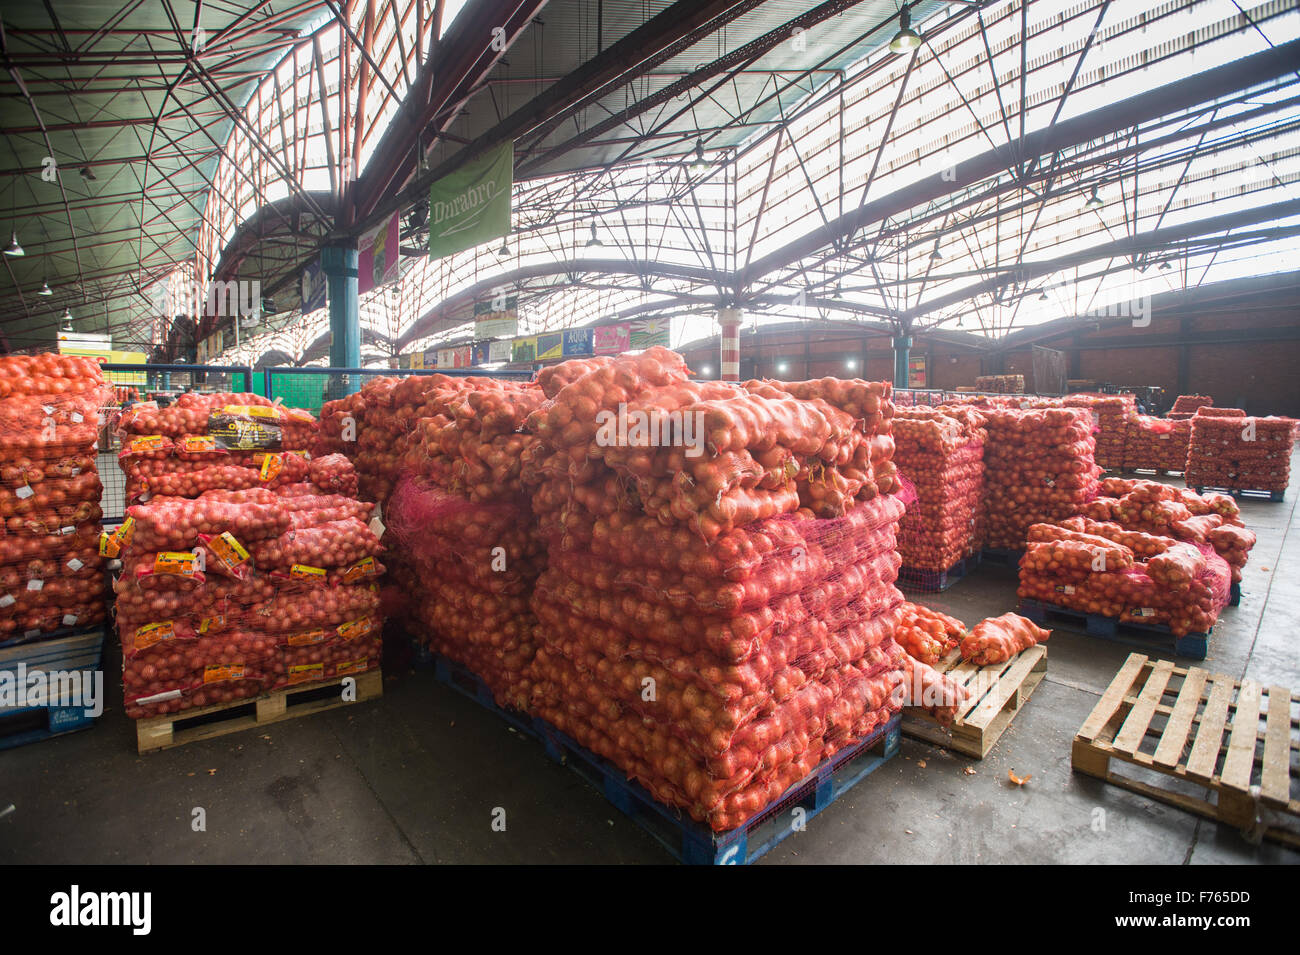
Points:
x=472, y=205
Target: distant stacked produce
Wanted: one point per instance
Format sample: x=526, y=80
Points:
x=1112, y=416
x=942, y=454
x=1157, y=444
x=1038, y=467
x=1239, y=452
x=51, y=574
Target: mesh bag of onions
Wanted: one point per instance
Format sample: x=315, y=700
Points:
x=1038, y=467
x=1157, y=444
x=1240, y=452
x=1097, y=567
x=51, y=574
x=1112, y=417
x=942, y=454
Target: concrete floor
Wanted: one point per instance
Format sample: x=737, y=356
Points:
x=416, y=776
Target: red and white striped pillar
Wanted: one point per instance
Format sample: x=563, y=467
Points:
x=730, y=319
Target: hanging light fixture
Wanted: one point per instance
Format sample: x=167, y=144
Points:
x=67, y=320
x=906, y=39
x=1165, y=266
x=87, y=173
x=504, y=250
x=699, y=165
x=14, y=249
x=936, y=255
x=1043, y=297
x=1094, y=200
x=839, y=291
x=45, y=289
x=593, y=240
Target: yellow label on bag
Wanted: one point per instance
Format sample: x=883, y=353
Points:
x=150, y=442
x=228, y=551
x=214, y=673
x=357, y=628
x=108, y=545
x=197, y=444
x=252, y=411
x=154, y=633
x=306, y=572
x=352, y=666
x=212, y=624
x=363, y=568
x=181, y=563
x=272, y=465
x=306, y=673
x=306, y=638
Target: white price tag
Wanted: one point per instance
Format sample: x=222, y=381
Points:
x=35, y=585
x=69, y=619
x=7, y=600
x=67, y=530
x=377, y=527
x=24, y=492
x=77, y=417
x=47, y=409
x=75, y=565
x=74, y=472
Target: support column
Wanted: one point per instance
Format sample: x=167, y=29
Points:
x=339, y=263
x=902, y=344
x=730, y=319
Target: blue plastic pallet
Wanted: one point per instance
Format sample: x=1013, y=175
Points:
x=936, y=581
x=77, y=650
x=1150, y=636
x=689, y=841
x=1000, y=557
x=1245, y=493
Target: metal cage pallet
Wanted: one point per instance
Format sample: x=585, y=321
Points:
x=689, y=841
x=1243, y=493
x=78, y=651
x=998, y=691
x=1195, y=646
x=936, y=581
x=1202, y=734
x=155, y=733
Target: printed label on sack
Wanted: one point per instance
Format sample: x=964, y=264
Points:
x=229, y=552
x=212, y=624
x=74, y=565
x=272, y=465
x=152, y=634
x=306, y=638
x=352, y=666
x=1144, y=612
x=365, y=567
x=233, y=432
x=67, y=530
x=1065, y=588
x=69, y=619
x=199, y=444
x=24, y=492
x=253, y=411
x=377, y=526
x=306, y=572
x=7, y=600
x=355, y=629
x=152, y=442
x=306, y=672
x=77, y=417
x=35, y=585
x=214, y=673
x=181, y=563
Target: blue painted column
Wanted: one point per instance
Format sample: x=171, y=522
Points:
x=902, y=345
x=339, y=263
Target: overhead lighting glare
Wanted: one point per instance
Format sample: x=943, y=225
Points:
x=45, y=289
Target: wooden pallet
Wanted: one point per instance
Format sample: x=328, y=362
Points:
x=998, y=692
x=156, y=733
x=1238, y=740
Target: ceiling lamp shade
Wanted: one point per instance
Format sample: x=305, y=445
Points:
x=14, y=249
x=593, y=240
x=906, y=39
x=1094, y=200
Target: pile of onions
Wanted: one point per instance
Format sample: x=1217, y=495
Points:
x=1240, y=453
x=1113, y=416
x=942, y=456
x=51, y=574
